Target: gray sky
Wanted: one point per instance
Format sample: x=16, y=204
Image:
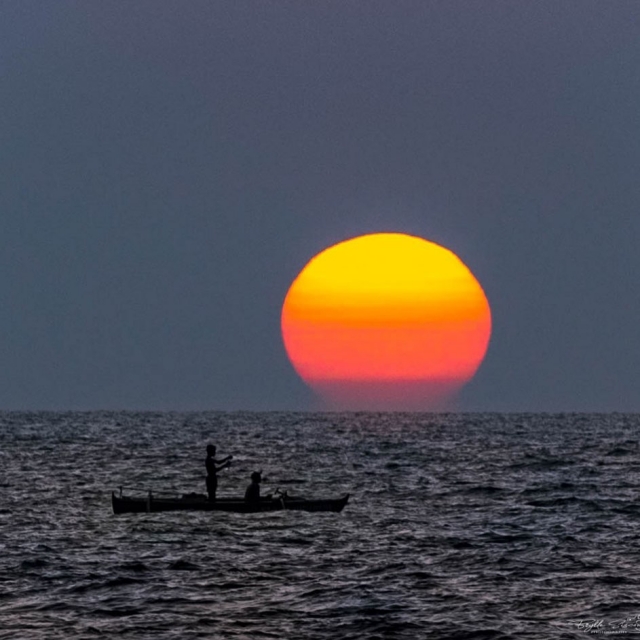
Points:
x=167, y=168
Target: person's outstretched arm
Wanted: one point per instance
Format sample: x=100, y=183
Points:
x=224, y=465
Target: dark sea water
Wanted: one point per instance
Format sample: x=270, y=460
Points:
x=459, y=526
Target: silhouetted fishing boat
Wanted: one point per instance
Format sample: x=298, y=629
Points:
x=198, y=502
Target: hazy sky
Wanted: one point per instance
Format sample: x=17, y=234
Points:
x=167, y=168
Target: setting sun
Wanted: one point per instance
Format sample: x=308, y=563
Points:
x=386, y=321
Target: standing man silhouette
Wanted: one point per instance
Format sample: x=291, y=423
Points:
x=213, y=466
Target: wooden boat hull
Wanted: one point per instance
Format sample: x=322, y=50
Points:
x=151, y=504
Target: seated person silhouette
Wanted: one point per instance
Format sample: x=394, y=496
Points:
x=252, y=494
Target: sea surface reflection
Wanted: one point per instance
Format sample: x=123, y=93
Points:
x=459, y=526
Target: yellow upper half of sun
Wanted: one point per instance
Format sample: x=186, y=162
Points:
x=385, y=279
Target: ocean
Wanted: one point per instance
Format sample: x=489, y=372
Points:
x=459, y=526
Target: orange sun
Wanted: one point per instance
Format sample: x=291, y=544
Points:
x=386, y=321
